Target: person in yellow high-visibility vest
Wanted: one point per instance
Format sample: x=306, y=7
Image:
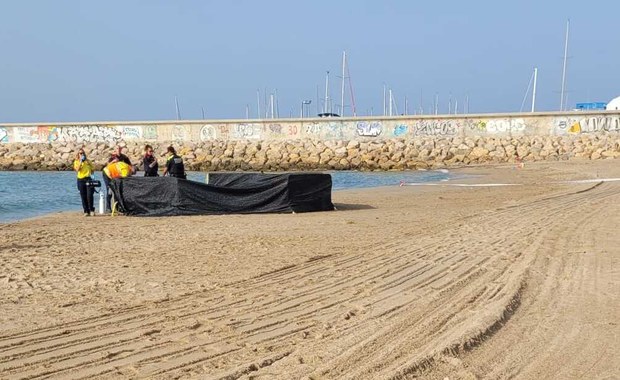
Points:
x=84, y=169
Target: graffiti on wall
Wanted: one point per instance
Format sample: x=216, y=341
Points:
x=496, y=126
x=333, y=131
x=131, y=132
x=25, y=134
x=400, y=130
x=505, y=126
x=313, y=129
x=275, y=130
x=89, y=133
x=247, y=131
x=435, y=128
x=369, y=128
x=207, y=132
x=179, y=133
x=150, y=132
x=48, y=133
x=595, y=124
x=4, y=135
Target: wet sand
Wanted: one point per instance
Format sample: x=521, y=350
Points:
x=401, y=282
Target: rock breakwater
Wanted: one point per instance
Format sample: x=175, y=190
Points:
x=307, y=154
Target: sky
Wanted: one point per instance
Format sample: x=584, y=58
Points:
x=65, y=61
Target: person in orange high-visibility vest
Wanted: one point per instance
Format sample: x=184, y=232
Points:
x=116, y=156
x=118, y=169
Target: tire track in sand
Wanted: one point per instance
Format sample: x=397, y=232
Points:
x=414, y=283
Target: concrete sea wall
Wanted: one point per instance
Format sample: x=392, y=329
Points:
x=378, y=143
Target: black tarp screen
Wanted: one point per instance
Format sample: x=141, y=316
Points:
x=226, y=193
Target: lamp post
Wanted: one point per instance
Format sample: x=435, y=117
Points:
x=304, y=103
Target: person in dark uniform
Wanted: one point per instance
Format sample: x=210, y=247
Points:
x=116, y=156
x=149, y=162
x=174, y=164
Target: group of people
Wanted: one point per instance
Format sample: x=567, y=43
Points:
x=119, y=166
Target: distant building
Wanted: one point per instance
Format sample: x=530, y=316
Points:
x=614, y=104
x=590, y=106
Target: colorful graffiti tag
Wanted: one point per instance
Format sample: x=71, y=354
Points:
x=401, y=130
x=596, y=124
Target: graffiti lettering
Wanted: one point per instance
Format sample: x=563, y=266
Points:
x=313, y=129
x=131, y=132
x=434, y=128
x=371, y=129
x=505, y=126
x=90, y=133
x=596, y=124
x=275, y=129
x=247, y=131
x=292, y=130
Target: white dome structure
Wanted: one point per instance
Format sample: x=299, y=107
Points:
x=613, y=105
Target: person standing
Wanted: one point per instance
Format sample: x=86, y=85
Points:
x=84, y=169
x=116, y=156
x=174, y=164
x=149, y=162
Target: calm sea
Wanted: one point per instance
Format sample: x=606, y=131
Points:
x=29, y=194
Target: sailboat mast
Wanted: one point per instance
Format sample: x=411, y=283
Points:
x=564, y=67
x=258, y=116
x=344, y=62
x=351, y=92
x=534, y=91
x=326, y=106
x=384, y=101
x=176, y=103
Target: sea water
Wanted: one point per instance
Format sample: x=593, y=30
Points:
x=29, y=194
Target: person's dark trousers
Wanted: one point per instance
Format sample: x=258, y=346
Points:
x=108, y=193
x=87, y=195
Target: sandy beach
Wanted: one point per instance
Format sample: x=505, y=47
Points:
x=431, y=282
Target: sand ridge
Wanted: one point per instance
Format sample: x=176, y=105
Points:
x=401, y=282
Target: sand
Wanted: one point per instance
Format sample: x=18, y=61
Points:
x=404, y=282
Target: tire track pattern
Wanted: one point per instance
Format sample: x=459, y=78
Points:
x=386, y=311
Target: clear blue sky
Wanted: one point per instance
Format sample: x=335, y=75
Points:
x=127, y=60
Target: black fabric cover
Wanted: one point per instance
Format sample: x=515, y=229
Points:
x=226, y=193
